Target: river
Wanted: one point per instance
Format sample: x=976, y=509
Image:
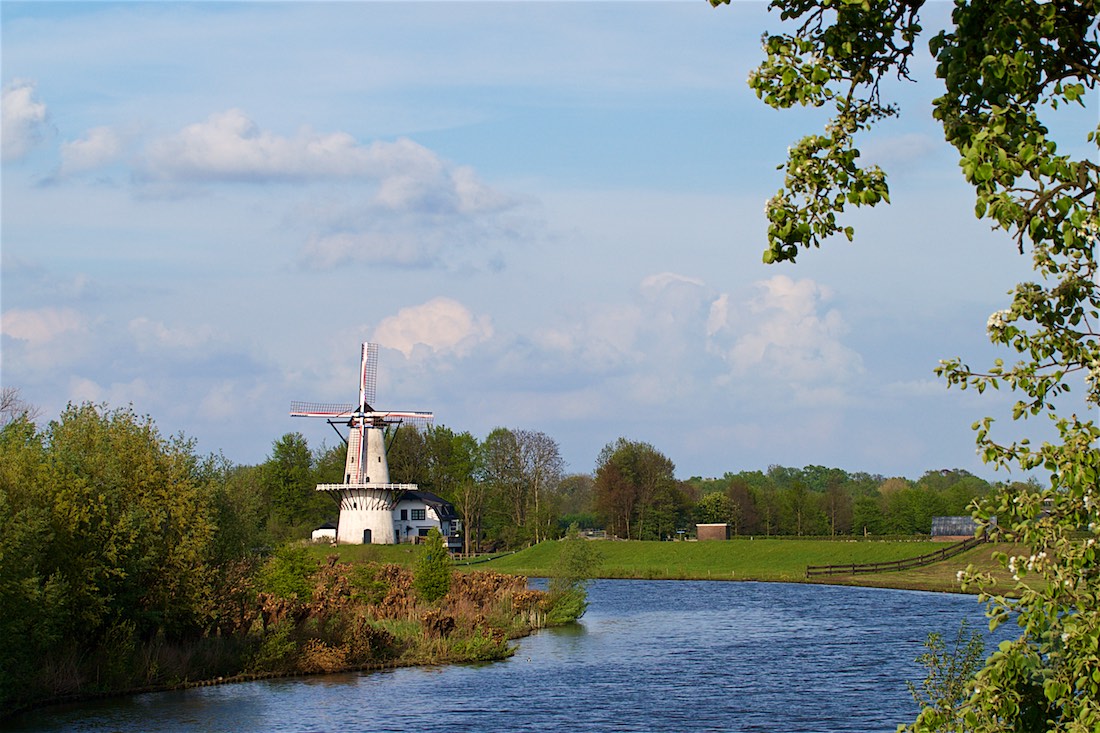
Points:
x=648, y=656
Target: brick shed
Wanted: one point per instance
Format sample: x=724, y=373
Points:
x=712, y=531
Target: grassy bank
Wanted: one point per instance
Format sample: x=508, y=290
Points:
x=760, y=559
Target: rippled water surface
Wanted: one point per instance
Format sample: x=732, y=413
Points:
x=648, y=656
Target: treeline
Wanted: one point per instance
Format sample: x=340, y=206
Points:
x=511, y=489
x=820, y=501
x=635, y=495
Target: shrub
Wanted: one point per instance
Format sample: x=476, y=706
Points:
x=432, y=574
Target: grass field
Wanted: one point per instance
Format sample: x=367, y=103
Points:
x=738, y=559
x=760, y=559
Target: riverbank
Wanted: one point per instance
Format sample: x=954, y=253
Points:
x=376, y=622
x=648, y=657
x=309, y=618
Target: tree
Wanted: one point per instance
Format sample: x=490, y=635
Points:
x=501, y=469
x=576, y=495
x=838, y=507
x=632, y=480
x=451, y=459
x=432, y=572
x=452, y=466
x=522, y=469
x=716, y=508
x=747, y=519
x=289, y=479
x=13, y=406
x=407, y=455
x=575, y=564
x=542, y=470
x=802, y=513
x=1008, y=67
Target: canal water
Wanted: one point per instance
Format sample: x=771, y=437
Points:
x=648, y=656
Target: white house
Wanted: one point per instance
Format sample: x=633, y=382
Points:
x=416, y=512
x=325, y=533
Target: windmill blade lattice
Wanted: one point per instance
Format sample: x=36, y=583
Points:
x=368, y=375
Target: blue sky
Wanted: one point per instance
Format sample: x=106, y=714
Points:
x=550, y=216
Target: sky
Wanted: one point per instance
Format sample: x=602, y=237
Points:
x=548, y=214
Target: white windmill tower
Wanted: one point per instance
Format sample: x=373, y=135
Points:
x=366, y=497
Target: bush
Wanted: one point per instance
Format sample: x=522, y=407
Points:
x=568, y=589
x=432, y=573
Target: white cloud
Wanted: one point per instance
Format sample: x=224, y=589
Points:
x=442, y=325
x=399, y=203
x=24, y=120
x=42, y=325
x=231, y=147
x=116, y=394
x=99, y=146
x=652, y=345
x=227, y=400
x=782, y=332
x=403, y=249
x=153, y=335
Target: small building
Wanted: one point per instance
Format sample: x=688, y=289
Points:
x=954, y=529
x=719, y=531
x=417, y=512
x=325, y=533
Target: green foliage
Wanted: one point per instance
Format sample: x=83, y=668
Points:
x=366, y=586
x=575, y=565
x=714, y=509
x=432, y=572
x=819, y=501
x=636, y=491
x=576, y=562
x=286, y=574
x=107, y=534
x=949, y=679
x=289, y=482
x=276, y=652
x=520, y=472
x=1008, y=67
x=481, y=646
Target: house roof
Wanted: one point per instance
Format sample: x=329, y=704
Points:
x=443, y=508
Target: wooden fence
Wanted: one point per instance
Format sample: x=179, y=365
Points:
x=885, y=567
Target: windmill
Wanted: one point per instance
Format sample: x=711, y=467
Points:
x=366, y=497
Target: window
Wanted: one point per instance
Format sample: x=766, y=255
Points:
x=418, y=515
x=404, y=514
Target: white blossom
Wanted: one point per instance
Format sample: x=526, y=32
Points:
x=997, y=321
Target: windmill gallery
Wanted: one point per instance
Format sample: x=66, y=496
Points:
x=373, y=510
